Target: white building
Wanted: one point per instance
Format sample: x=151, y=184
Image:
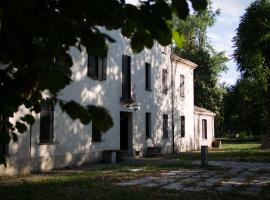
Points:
x=156, y=82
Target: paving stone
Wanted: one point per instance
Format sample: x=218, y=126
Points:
x=194, y=188
x=252, y=189
x=140, y=181
x=224, y=188
x=175, y=186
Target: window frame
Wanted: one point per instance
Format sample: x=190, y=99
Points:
x=164, y=81
x=96, y=138
x=182, y=86
x=148, y=80
x=46, y=135
x=204, y=129
x=182, y=126
x=97, y=67
x=4, y=120
x=165, y=125
x=148, y=125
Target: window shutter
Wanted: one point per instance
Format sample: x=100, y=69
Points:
x=91, y=64
x=182, y=85
x=164, y=81
x=182, y=126
x=46, y=124
x=99, y=68
x=104, y=68
x=126, y=85
x=4, y=148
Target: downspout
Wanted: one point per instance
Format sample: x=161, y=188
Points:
x=172, y=100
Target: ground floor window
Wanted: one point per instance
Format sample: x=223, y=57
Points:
x=204, y=129
x=4, y=148
x=96, y=134
x=165, y=126
x=47, y=122
x=148, y=125
x=183, y=131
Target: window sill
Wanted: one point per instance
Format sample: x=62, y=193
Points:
x=148, y=90
x=165, y=138
x=96, y=141
x=147, y=138
x=47, y=143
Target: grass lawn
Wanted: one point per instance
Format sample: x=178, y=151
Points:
x=231, y=151
x=98, y=182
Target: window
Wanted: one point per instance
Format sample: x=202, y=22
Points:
x=182, y=85
x=148, y=125
x=97, y=67
x=164, y=81
x=4, y=149
x=96, y=134
x=165, y=126
x=147, y=76
x=46, y=122
x=204, y=129
x=183, y=126
x=126, y=77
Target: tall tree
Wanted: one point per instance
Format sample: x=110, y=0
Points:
x=208, y=93
x=252, y=47
x=35, y=36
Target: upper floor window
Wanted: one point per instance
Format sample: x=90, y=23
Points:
x=147, y=76
x=183, y=121
x=164, y=81
x=4, y=130
x=182, y=85
x=165, y=126
x=47, y=122
x=97, y=67
x=126, y=77
x=204, y=129
x=148, y=125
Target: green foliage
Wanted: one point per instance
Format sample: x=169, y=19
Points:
x=251, y=111
x=208, y=93
x=245, y=108
x=35, y=37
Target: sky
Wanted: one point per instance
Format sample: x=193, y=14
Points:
x=221, y=34
x=224, y=30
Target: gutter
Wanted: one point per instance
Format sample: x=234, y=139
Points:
x=172, y=100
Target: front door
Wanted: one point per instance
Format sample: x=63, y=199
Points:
x=126, y=132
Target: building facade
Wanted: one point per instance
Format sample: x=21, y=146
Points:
x=149, y=95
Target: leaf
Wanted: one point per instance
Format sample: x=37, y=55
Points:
x=181, y=8
x=21, y=127
x=29, y=119
x=76, y=111
x=178, y=39
x=14, y=137
x=199, y=5
x=101, y=117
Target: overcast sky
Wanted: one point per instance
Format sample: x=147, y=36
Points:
x=222, y=32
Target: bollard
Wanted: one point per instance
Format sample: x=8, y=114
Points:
x=204, y=155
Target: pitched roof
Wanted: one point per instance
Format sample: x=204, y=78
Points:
x=204, y=111
x=186, y=62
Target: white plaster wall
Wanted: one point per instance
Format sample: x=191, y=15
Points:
x=184, y=107
x=199, y=141
x=72, y=140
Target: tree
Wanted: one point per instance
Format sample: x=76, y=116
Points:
x=252, y=47
x=244, y=108
x=208, y=93
x=35, y=37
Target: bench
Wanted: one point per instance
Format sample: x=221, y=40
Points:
x=154, y=151
x=114, y=156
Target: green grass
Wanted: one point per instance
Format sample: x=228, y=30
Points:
x=99, y=183
x=231, y=151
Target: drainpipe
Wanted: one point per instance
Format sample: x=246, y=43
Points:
x=172, y=100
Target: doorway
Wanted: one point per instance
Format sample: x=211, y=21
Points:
x=126, y=132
